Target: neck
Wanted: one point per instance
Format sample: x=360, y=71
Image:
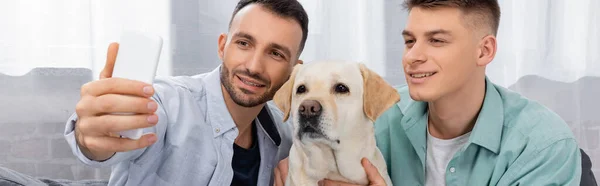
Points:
x=242, y=117
x=455, y=114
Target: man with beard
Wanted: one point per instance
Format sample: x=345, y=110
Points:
x=210, y=129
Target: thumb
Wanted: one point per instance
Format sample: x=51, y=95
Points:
x=111, y=57
x=373, y=174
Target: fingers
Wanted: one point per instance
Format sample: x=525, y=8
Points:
x=281, y=172
x=334, y=183
x=111, y=57
x=278, y=179
x=373, y=174
x=114, y=103
x=283, y=168
x=117, y=86
x=117, y=123
x=111, y=144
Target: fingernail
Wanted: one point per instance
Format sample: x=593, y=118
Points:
x=152, y=119
x=152, y=106
x=151, y=139
x=368, y=162
x=148, y=90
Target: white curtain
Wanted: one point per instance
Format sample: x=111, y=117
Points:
x=75, y=33
x=555, y=39
x=549, y=50
x=44, y=33
x=350, y=30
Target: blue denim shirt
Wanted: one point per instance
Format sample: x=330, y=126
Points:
x=196, y=135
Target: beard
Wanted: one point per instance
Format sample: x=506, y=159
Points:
x=244, y=97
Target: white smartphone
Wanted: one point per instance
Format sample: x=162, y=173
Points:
x=137, y=59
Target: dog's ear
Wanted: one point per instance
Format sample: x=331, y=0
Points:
x=378, y=95
x=283, y=97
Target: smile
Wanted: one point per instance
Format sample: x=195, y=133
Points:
x=250, y=82
x=422, y=75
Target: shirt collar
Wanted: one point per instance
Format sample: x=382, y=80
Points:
x=488, y=127
x=219, y=116
x=268, y=125
x=487, y=131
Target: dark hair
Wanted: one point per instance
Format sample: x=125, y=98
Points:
x=284, y=8
x=488, y=10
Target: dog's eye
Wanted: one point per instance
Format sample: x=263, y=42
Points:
x=341, y=88
x=301, y=89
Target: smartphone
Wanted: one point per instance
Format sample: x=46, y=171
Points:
x=137, y=59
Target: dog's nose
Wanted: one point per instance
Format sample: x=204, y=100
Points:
x=310, y=108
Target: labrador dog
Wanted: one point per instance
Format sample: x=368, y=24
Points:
x=333, y=106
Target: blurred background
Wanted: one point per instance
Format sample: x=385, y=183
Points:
x=549, y=50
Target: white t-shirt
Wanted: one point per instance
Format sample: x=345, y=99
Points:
x=439, y=154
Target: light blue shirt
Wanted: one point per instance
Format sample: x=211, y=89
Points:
x=195, y=138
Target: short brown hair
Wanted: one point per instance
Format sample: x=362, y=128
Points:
x=487, y=10
x=284, y=8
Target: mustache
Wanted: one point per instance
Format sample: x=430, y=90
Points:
x=252, y=75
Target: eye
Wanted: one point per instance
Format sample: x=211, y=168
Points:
x=341, y=88
x=277, y=55
x=243, y=44
x=409, y=43
x=436, y=41
x=301, y=89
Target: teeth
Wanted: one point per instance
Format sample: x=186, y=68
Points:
x=251, y=84
x=421, y=75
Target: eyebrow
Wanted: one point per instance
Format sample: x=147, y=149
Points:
x=407, y=33
x=428, y=33
x=247, y=36
x=438, y=31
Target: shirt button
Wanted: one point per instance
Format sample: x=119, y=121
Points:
x=217, y=130
x=452, y=169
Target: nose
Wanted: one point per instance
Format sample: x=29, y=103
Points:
x=415, y=54
x=255, y=64
x=310, y=108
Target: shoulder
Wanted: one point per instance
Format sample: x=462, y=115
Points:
x=179, y=94
x=175, y=89
x=531, y=121
x=172, y=84
x=535, y=140
x=531, y=130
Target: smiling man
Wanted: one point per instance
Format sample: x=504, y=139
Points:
x=214, y=128
x=453, y=126
x=456, y=127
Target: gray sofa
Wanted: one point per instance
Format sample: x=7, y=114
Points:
x=34, y=110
